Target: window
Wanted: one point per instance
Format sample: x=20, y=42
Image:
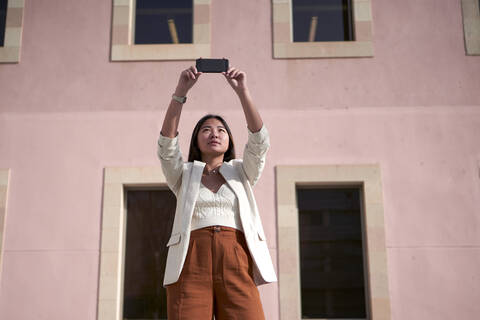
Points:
x=4, y=179
x=326, y=20
x=11, y=25
x=163, y=21
x=471, y=26
x=138, y=208
x=150, y=216
x=160, y=30
x=324, y=211
x=322, y=28
x=3, y=18
x=331, y=252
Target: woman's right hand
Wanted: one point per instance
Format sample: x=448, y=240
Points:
x=187, y=79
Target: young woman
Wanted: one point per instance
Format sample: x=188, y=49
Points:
x=217, y=250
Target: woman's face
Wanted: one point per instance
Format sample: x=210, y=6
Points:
x=212, y=138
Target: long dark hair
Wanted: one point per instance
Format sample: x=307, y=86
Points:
x=196, y=154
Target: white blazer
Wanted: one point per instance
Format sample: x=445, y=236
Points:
x=183, y=178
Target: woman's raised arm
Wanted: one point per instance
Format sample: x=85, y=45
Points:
x=168, y=150
x=258, y=143
x=170, y=124
x=238, y=80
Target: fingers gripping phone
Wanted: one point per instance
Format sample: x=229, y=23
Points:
x=212, y=65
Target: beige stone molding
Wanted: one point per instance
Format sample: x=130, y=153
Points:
x=10, y=52
x=123, y=46
x=284, y=47
x=367, y=177
x=471, y=26
x=112, y=252
x=4, y=179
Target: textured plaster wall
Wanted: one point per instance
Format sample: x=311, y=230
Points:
x=66, y=112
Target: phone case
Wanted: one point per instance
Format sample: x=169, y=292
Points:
x=212, y=65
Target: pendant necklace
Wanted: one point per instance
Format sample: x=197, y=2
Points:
x=214, y=171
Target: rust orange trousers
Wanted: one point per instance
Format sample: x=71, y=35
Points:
x=216, y=279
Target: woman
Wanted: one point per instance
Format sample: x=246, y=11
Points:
x=217, y=250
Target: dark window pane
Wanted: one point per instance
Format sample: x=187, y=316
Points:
x=155, y=21
x=3, y=18
x=322, y=20
x=150, y=216
x=331, y=253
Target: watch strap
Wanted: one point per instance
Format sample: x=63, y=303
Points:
x=179, y=99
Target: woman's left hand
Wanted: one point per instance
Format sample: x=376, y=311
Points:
x=237, y=79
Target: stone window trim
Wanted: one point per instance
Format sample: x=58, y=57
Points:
x=123, y=48
x=284, y=47
x=113, y=232
x=366, y=176
x=4, y=180
x=10, y=52
x=471, y=26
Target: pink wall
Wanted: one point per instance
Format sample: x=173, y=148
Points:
x=66, y=113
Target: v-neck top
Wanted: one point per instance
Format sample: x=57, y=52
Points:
x=220, y=208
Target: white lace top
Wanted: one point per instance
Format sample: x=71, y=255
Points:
x=220, y=208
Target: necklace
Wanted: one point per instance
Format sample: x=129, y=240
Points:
x=213, y=171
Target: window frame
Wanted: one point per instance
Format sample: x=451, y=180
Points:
x=471, y=26
x=288, y=177
x=113, y=232
x=124, y=49
x=10, y=52
x=284, y=47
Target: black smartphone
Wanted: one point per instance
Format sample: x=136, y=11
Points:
x=212, y=65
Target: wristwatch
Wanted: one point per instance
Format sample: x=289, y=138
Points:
x=179, y=99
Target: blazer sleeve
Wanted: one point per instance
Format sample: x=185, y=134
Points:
x=255, y=153
x=168, y=151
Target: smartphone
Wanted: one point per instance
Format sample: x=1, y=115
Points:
x=212, y=65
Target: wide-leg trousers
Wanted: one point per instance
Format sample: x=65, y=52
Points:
x=216, y=279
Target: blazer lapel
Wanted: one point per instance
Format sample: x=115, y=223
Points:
x=192, y=192
x=230, y=174
x=232, y=177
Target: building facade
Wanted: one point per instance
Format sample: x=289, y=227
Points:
x=389, y=115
